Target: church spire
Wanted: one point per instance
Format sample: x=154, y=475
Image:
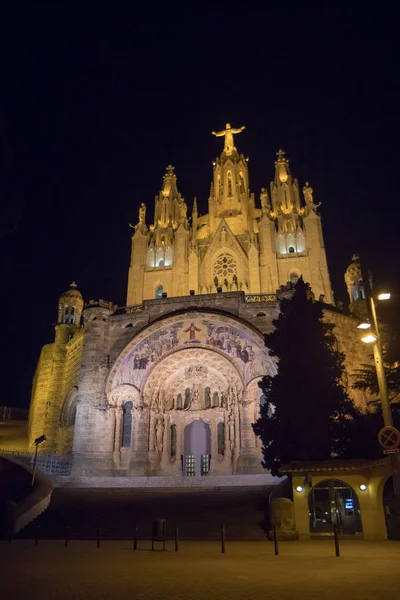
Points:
x=170, y=206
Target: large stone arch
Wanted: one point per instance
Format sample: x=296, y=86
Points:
x=240, y=343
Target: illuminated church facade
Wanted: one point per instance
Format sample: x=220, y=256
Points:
x=168, y=384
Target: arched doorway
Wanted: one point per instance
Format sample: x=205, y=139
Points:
x=197, y=448
x=392, y=517
x=333, y=502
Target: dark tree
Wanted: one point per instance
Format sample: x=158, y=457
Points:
x=307, y=414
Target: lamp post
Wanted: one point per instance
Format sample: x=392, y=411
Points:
x=40, y=440
x=374, y=338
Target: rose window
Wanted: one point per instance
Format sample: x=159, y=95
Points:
x=225, y=267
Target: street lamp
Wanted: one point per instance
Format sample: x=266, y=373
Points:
x=40, y=440
x=373, y=337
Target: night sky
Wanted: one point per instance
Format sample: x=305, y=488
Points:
x=97, y=100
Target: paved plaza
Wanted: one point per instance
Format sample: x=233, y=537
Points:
x=247, y=570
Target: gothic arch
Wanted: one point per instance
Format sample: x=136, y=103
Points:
x=68, y=411
x=242, y=345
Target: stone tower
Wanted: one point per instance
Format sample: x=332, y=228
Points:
x=236, y=245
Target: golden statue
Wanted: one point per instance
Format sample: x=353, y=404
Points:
x=228, y=132
x=308, y=193
x=142, y=213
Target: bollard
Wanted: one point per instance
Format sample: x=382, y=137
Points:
x=98, y=537
x=135, y=538
x=176, y=539
x=223, y=539
x=276, y=548
x=37, y=537
x=336, y=535
x=66, y=538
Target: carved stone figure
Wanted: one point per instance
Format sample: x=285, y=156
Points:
x=159, y=434
x=308, y=193
x=196, y=404
x=142, y=213
x=264, y=200
x=228, y=132
x=182, y=210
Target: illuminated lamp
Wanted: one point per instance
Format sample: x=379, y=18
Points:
x=364, y=325
x=299, y=488
x=384, y=296
x=368, y=339
x=363, y=487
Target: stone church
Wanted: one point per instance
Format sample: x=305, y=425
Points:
x=168, y=384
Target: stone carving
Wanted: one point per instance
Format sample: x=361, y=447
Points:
x=159, y=433
x=142, y=214
x=264, y=200
x=182, y=210
x=228, y=133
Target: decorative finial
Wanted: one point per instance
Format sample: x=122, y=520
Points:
x=194, y=205
x=280, y=154
x=73, y=285
x=355, y=258
x=170, y=170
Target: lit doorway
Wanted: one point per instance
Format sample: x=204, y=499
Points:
x=197, y=448
x=333, y=502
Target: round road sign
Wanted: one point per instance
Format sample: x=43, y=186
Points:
x=389, y=437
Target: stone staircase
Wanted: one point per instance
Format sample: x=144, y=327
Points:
x=198, y=512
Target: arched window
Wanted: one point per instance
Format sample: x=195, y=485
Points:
x=229, y=183
x=241, y=183
x=159, y=291
x=68, y=411
x=173, y=441
x=221, y=437
x=161, y=262
x=291, y=250
x=293, y=278
x=179, y=402
x=127, y=425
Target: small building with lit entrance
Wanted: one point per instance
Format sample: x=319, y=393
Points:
x=356, y=496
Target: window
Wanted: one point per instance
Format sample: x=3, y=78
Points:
x=229, y=183
x=225, y=267
x=291, y=250
x=161, y=262
x=159, y=291
x=127, y=425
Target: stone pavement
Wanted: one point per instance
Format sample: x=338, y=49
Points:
x=307, y=570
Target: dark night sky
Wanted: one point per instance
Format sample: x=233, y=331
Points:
x=95, y=103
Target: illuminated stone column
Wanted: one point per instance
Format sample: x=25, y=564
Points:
x=248, y=460
x=118, y=434
x=140, y=456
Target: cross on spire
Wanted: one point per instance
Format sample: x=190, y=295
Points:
x=170, y=170
x=280, y=154
x=73, y=285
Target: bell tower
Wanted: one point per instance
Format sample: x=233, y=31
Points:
x=229, y=195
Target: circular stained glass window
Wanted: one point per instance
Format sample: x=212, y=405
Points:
x=225, y=266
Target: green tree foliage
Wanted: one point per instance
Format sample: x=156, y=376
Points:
x=307, y=414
